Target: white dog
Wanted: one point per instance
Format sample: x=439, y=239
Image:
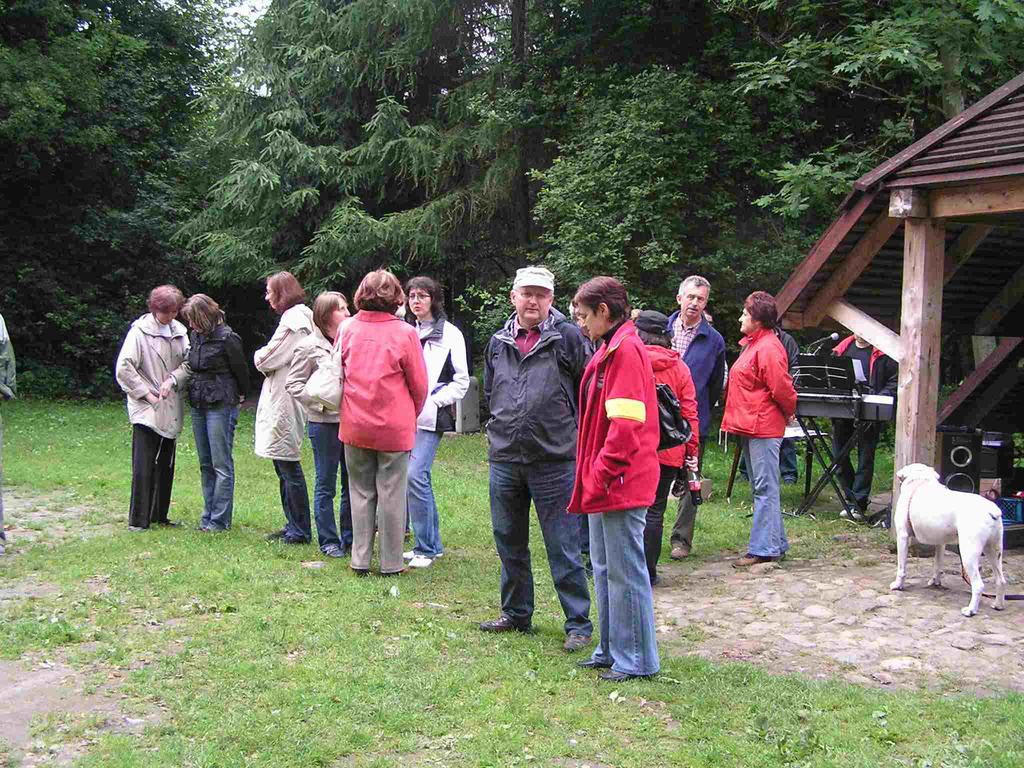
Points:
x=935, y=515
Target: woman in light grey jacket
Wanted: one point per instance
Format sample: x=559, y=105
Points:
x=329, y=310
x=155, y=345
x=280, y=419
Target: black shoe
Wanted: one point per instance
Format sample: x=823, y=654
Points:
x=620, y=677
x=503, y=624
x=362, y=573
x=168, y=523
x=591, y=664
x=294, y=540
x=276, y=535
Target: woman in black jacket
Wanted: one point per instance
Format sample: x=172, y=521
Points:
x=218, y=378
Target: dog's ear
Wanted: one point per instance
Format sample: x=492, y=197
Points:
x=902, y=474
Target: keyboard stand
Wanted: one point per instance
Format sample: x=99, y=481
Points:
x=829, y=464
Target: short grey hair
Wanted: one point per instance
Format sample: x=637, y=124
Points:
x=700, y=282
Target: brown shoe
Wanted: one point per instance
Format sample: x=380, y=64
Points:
x=680, y=552
x=748, y=560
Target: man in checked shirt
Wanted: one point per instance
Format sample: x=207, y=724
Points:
x=703, y=350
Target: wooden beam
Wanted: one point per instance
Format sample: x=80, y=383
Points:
x=977, y=377
x=909, y=203
x=866, y=326
x=793, y=321
x=839, y=282
x=920, y=330
x=1008, y=298
x=962, y=249
x=994, y=393
x=819, y=254
x=1001, y=197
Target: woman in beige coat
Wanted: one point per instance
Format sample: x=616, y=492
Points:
x=280, y=419
x=329, y=310
x=155, y=345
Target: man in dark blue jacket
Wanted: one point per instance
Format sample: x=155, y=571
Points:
x=702, y=348
x=532, y=372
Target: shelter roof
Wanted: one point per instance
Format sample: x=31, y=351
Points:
x=982, y=145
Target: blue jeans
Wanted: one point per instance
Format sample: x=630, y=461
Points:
x=625, y=603
x=328, y=458
x=422, y=506
x=294, y=500
x=767, y=536
x=549, y=485
x=214, y=433
x=787, y=462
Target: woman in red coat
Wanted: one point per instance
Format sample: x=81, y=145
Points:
x=616, y=479
x=759, y=403
x=671, y=370
x=385, y=388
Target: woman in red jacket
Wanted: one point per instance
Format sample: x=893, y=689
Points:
x=385, y=387
x=616, y=479
x=759, y=403
x=671, y=370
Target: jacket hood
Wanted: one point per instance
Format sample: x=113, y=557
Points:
x=842, y=346
x=149, y=325
x=297, y=318
x=661, y=358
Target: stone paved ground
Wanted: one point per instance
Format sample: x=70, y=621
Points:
x=838, y=619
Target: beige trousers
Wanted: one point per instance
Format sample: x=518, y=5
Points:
x=377, y=487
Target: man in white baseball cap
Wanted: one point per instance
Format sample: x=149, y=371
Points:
x=532, y=372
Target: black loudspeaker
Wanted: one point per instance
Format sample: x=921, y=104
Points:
x=960, y=460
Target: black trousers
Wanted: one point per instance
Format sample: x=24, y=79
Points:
x=152, y=477
x=655, y=526
x=856, y=484
x=682, y=531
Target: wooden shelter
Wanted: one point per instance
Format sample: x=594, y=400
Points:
x=932, y=239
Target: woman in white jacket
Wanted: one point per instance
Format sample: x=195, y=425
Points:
x=335, y=539
x=155, y=345
x=444, y=351
x=280, y=419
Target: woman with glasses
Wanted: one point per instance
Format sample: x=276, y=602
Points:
x=444, y=352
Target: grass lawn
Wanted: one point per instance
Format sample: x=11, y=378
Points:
x=253, y=659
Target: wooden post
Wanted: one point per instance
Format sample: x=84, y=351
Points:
x=920, y=330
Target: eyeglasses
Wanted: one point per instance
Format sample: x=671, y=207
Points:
x=419, y=296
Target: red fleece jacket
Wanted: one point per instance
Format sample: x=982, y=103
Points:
x=617, y=451
x=761, y=399
x=385, y=382
x=669, y=369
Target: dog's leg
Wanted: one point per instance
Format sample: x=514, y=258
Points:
x=936, y=579
x=972, y=565
x=902, y=544
x=994, y=550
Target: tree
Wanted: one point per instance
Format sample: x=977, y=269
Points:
x=862, y=79
x=95, y=105
x=365, y=133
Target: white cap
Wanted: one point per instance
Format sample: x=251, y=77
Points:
x=537, y=277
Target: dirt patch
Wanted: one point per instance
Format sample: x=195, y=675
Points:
x=826, y=619
x=49, y=519
x=48, y=715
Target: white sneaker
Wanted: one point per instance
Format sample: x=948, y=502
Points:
x=420, y=562
x=408, y=555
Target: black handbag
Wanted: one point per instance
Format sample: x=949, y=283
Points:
x=674, y=429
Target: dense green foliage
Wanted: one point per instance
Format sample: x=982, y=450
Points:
x=648, y=139
x=95, y=110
